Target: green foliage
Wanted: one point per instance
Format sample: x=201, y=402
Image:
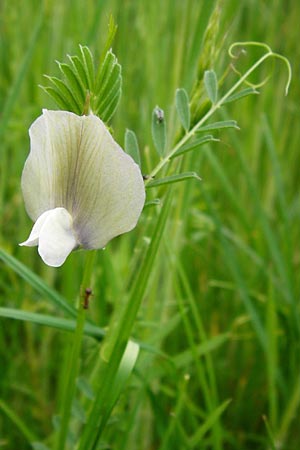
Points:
x=173, y=179
x=211, y=85
x=159, y=132
x=183, y=108
x=83, y=88
x=131, y=146
x=218, y=126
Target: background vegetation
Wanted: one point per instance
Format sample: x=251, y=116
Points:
x=220, y=317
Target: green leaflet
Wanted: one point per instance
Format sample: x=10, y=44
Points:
x=243, y=93
x=66, y=94
x=218, y=126
x=88, y=64
x=183, y=108
x=83, y=89
x=108, y=87
x=132, y=147
x=211, y=85
x=158, y=129
x=71, y=75
x=173, y=179
x=193, y=144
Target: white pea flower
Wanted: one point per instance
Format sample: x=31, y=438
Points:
x=80, y=188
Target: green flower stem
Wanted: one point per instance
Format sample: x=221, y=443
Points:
x=73, y=363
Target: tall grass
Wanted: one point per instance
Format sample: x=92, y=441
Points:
x=212, y=272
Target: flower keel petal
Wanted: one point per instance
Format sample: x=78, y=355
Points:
x=57, y=238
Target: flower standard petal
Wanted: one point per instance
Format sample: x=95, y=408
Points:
x=51, y=164
x=57, y=238
x=109, y=188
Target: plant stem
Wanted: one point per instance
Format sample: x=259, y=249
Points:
x=74, y=359
x=212, y=110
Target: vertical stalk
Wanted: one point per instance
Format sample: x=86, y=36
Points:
x=74, y=359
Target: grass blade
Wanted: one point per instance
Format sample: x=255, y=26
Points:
x=16, y=86
x=211, y=419
x=50, y=321
x=90, y=435
x=37, y=283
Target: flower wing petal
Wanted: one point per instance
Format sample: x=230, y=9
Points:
x=35, y=232
x=56, y=238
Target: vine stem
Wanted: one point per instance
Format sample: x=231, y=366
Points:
x=74, y=358
x=217, y=105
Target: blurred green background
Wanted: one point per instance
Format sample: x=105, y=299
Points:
x=223, y=299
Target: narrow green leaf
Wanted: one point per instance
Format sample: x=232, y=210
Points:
x=85, y=387
x=110, y=100
x=112, y=29
x=186, y=357
x=124, y=371
x=218, y=126
x=64, y=91
x=111, y=107
x=50, y=321
x=88, y=63
x=81, y=73
x=154, y=202
x=39, y=446
x=132, y=146
x=13, y=95
x=108, y=87
x=112, y=82
x=183, y=108
x=78, y=412
x=211, y=85
x=18, y=421
x=104, y=72
x=241, y=94
x=173, y=179
x=270, y=434
x=75, y=85
x=90, y=437
x=37, y=283
x=194, y=144
x=159, y=132
x=196, y=439
x=56, y=96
